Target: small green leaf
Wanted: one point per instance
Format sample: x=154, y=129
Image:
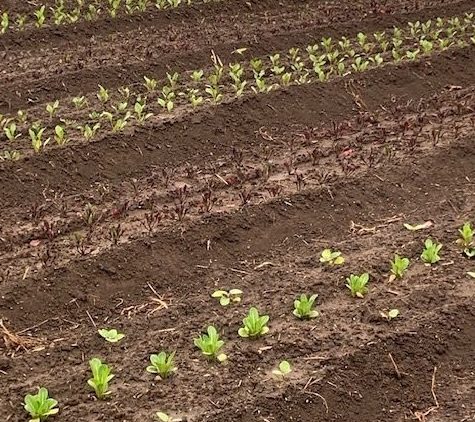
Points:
x=393, y=313
x=162, y=417
x=224, y=301
x=219, y=293
x=284, y=367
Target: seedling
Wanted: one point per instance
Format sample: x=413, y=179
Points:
x=466, y=240
x=40, y=16
x=112, y=336
x=60, y=135
x=398, y=267
x=391, y=314
x=163, y=417
x=162, y=364
x=103, y=94
x=79, y=102
x=210, y=344
x=254, y=325
x=52, y=108
x=331, y=258
x=101, y=376
x=226, y=297
x=430, y=254
x=358, y=284
x=150, y=84
x=303, y=307
x=283, y=369
x=40, y=406
x=11, y=131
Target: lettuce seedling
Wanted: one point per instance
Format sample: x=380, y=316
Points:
x=430, y=254
x=330, y=257
x=210, y=344
x=226, y=297
x=357, y=284
x=40, y=406
x=303, y=307
x=112, y=336
x=101, y=376
x=466, y=240
x=254, y=325
x=163, y=417
x=398, y=267
x=283, y=369
x=162, y=364
x=391, y=314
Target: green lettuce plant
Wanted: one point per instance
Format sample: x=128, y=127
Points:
x=112, y=336
x=358, y=284
x=210, y=344
x=40, y=405
x=254, y=325
x=430, y=254
x=303, y=307
x=101, y=376
x=162, y=364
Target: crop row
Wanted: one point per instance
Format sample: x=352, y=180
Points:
x=82, y=10
x=254, y=325
x=320, y=62
x=106, y=112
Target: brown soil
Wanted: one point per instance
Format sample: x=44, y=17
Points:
x=353, y=159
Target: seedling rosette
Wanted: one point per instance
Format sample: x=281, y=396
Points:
x=40, y=405
x=303, y=307
x=101, y=376
x=331, y=258
x=112, y=336
x=226, y=297
x=430, y=254
x=210, y=344
x=358, y=284
x=283, y=369
x=254, y=325
x=162, y=364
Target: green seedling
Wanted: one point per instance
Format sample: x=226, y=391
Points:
x=103, y=94
x=163, y=417
x=162, y=364
x=398, y=267
x=112, y=336
x=60, y=135
x=150, y=84
x=11, y=131
x=466, y=240
x=283, y=369
x=101, y=376
x=79, y=102
x=303, y=307
x=40, y=405
x=391, y=314
x=12, y=155
x=197, y=75
x=210, y=344
x=52, y=108
x=40, y=16
x=358, y=284
x=254, y=325
x=140, y=110
x=330, y=257
x=36, y=135
x=89, y=132
x=4, y=23
x=226, y=297
x=167, y=99
x=430, y=254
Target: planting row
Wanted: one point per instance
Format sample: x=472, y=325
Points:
x=254, y=325
x=95, y=116
x=63, y=13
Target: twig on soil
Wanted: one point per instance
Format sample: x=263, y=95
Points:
x=398, y=373
x=91, y=319
x=33, y=327
x=15, y=341
x=319, y=395
x=421, y=416
x=238, y=271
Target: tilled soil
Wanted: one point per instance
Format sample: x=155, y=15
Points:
x=353, y=159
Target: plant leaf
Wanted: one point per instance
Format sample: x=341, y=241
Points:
x=471, y=274
x=284, y=367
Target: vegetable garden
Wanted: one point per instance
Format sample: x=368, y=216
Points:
x=237, y=210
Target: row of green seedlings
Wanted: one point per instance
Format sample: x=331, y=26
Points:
x=40, y=405
x=326, y=60
x=61, y=14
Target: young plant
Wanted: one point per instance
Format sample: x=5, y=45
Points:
x=358, y=284
x=283, y=369
x=102, y=94
x=466, y=240
x=11, y=131
x=40, y=405
x=430, y=254
x=150, y=84
x=40, y=16
x=398, y=267
x=79, y=102
x=60, y=135
x=162, y=364
x=331, y=258
x=36, y=135
x=210, y=344
x=4, y=23
x=112, y=336
x=303, y=307
x=101, y=376
x=391, y=314
x=167, y=99
x=254, y=325
x=226, y=297
x=163, y=417
x=52, y=108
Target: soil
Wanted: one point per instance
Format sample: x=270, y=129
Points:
x=353, y=160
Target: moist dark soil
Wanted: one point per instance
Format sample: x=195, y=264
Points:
x=368, y=153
